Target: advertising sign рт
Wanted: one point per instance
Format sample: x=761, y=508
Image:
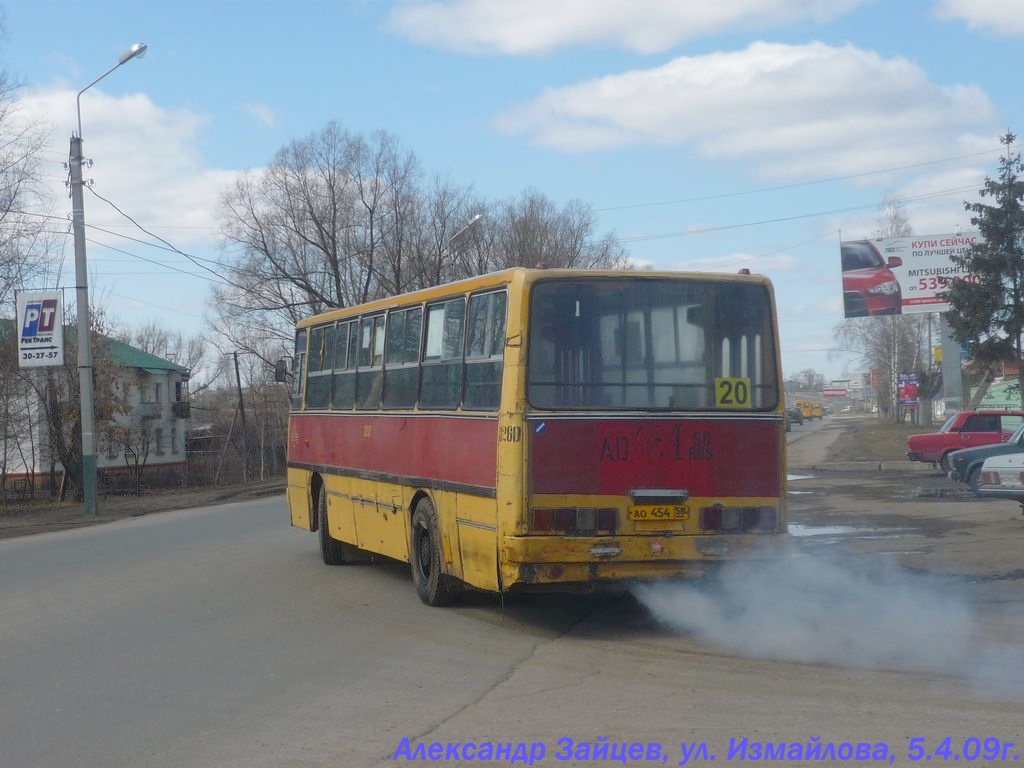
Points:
x=901, y=275
x=40, y=331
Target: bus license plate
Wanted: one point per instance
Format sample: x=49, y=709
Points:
x=659, y=512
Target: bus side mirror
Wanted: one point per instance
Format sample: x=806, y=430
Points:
x=695, y=315
x=281, y=370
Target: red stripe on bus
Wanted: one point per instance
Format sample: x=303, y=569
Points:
x=706, y=457
x=456, y=450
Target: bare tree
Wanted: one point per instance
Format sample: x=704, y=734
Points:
x=189, y=352
x=532, y=231
x=24, y=241
x=57, y=392
x=134, y=442
x=338, y=219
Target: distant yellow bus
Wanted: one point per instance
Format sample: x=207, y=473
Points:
x=543, y=429
x=806, y=408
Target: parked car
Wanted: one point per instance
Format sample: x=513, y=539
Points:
x=965, y=465
x=1003, y=476
x=869, y=285
x=967, y=429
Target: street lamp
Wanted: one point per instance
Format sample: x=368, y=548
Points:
x=448, y=245
x=85, y=372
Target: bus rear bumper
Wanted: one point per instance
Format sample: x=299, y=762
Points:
x=553, y=560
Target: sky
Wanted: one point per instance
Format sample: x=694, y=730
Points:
x=705, y=135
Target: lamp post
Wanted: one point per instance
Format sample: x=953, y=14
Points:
x=448, y=245
x=85, y=372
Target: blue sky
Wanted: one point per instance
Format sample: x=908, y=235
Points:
x=682, y=124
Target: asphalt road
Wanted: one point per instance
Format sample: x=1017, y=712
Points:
x=214, y=637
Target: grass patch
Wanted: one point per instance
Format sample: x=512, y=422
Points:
x=875, y=440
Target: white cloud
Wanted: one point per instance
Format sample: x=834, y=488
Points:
x=999, y=17
x=645, y=26
x=797, y=110
x=734, y=262
x=145, y=160
x=263, y=114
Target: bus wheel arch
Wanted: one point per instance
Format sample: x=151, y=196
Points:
x=426, y=559
x=316, y=485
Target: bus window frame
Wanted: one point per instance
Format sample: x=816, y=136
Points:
x=456, y=362
x=488, y=357
x=370, y=400
x=405, y=365
x=769, y=343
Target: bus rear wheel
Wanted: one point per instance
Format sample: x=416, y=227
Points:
x=433, y=587
x=332, y=551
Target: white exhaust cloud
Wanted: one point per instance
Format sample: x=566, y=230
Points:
x=852, y=613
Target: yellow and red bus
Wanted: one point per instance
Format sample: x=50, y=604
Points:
x=543, y=429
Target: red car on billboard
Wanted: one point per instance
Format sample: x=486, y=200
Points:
x=869, y=286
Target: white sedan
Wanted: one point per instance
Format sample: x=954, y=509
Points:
x=1003, y=476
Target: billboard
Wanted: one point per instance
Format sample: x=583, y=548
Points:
x=40, y=332
x=901, y=275
x=908, y=390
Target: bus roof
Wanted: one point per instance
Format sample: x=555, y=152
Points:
x=507, y=276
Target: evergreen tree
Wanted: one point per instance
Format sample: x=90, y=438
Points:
x=987, y=313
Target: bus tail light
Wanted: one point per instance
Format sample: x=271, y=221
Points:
x=719, y=517
x=574, y=519
x=990, y=478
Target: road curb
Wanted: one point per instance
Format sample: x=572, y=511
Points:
x=877, y=466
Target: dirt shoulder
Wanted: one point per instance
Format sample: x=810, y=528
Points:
x=917, y=517
x=26, y=517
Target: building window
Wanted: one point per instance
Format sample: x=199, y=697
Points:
x=177, y=391
x=158, y=441
x=174, y=439
x=156, y=392
x=111, y=444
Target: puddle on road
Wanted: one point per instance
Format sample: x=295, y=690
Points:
x=799, y=477
x=933, y=493
x=800, y=530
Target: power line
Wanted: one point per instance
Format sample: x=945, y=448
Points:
x=782, y=219
x=165, y=242
x=155, y=262
x=793, y=185
x=157, y=306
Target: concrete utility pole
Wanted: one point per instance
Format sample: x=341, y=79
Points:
x=85, y=372
x=245, y=431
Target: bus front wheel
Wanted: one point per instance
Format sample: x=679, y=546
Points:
x=433, y=587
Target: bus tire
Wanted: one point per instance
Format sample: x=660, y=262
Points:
x=332, y=551
x=433, y=587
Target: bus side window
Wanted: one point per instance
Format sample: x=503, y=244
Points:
x=320, y=364
x=370, y=376
x=441, y=384
x=402, y=358
x=485, y=351
x=345, y=350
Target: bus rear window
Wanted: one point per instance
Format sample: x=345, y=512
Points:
x=649, y=343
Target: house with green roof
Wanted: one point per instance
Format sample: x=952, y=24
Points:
x=140, y=437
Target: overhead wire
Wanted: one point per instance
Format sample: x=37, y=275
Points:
x=793, y=185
